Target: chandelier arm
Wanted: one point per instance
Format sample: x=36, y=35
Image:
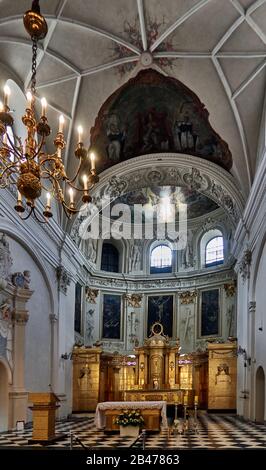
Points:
x=41, y=221
x=28, y=215
x=74, y=187
x=65, y=210
x=77, y=172
x=13, y=148
x=39, y=147
x=9, y=168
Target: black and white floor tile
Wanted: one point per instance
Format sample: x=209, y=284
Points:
x=214, y=431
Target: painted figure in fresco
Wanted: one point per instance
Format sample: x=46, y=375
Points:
x=116, y=136
x=153, y=132
x=187, y=137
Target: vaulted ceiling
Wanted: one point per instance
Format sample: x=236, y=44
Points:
x=215, y=47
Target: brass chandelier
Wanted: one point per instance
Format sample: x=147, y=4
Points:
x=26, y=164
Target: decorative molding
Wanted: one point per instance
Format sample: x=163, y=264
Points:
x=187, y=297
x=134, y=300
x=5, y=258
x=252, y=307
x=21, y=280
x=53, y=318
x=230, y=289
x=20, y=316
x=244, y=265
x=63, y=278
x=91, y=294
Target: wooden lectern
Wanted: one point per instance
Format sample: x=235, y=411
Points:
x=43, y=409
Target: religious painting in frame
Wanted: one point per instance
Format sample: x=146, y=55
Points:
x=160, y=309
x=210, y=313
x=111, y=316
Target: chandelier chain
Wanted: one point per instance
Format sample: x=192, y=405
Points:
x=34, y=66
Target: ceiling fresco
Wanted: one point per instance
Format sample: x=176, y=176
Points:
x=152, y=113
x=197, y=204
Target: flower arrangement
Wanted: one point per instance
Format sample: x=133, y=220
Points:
x=130, y=418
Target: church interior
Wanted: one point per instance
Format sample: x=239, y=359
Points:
x=132, y=223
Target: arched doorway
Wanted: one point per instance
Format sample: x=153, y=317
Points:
x=3, y=398
x=260, y=396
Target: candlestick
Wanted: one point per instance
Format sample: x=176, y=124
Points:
x=48, y=197
x=196, y=400
x=1, y=107
x=71, y=195
x=29, y=99
x=44, y=106
x=85, y=182
x=6, y=95
x=61, y=123
x=80, y=132
x=185, y=400
x=92, y=158
x=19, y=197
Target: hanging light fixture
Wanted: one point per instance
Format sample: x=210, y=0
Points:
x=27, y=164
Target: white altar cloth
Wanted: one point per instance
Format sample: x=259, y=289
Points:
x=126, y=405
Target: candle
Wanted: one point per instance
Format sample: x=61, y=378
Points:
x=61, y=123
x=6, y=95
x=185, y=400
x=196, y=400
x=71, y=195
x=44, y=106
x=92, y=157
x=19, y=197
x=85, y=182
x=29, y=99
x=80, y=132
x=48, y=196
x=1, y=107
x=59, y=152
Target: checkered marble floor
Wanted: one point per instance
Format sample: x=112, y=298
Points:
x=214, y=432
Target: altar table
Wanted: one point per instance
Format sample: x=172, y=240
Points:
x=153, y=412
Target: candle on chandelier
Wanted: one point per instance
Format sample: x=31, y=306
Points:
x=29, y=99
x=71, y=195
x=61, y=123
x=85, y=182
x=44, y=106
x=1, y=107
x=19, y=197
x=92, y=157
x=80, y=132
x=6, y=95
x=59, y=152
x=48, y=197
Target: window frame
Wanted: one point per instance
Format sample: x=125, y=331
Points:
x=163, y=269
x=216, y=262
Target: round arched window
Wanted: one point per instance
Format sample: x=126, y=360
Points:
x=214, y=252
x=161, y=259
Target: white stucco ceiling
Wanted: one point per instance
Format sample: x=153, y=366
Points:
x=216, y=47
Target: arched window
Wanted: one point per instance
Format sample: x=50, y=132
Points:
x=110, y=258
x=214, y=251
x=161, y=259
